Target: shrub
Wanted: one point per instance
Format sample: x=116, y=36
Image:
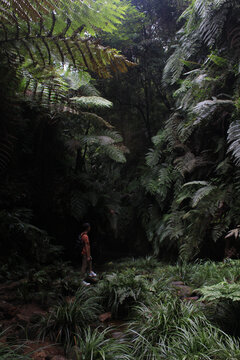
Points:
x=120, y=291
x=221, y=291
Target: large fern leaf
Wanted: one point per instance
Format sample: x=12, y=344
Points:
x=92, y=102
x=202, y=193
x=205, y=109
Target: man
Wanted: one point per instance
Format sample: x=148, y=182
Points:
x=86, y=253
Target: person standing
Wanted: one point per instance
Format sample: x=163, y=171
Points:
x=86, y=253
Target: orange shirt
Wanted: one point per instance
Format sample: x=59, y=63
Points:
x=86, y=244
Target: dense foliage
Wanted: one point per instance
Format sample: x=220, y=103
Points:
x=162, y=318
x=64, y=146
x=186, y=197
x=124, y=114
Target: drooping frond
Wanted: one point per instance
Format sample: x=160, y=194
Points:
x=37, y=38
x=114, y=152
x=202, y=193
x=189, y=162
x=95, y=120
x=6, y=150
x=205, y=109
x=81, y=14
x=27, y=10
x=205, y=25
x=44, y=51
x=234, y=140
x=197, y=183
x=89, y=102
x=152, y=157
x=174, y=67
x=79, y=204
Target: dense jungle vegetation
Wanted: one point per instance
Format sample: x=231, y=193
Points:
x=124, y=114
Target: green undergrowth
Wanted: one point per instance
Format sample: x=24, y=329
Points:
x=158, y=324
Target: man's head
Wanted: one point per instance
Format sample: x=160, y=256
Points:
x=86, y=227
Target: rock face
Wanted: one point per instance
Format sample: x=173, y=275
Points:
x=183, y=291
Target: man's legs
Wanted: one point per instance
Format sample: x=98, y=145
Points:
x=90, y=266
x=84, y=265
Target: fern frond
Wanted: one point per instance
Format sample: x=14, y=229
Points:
x=234, y=140
x=174, y=67
x=79, y=205
x=96, y=121
x=219, y=230
x=197, y=182
x=221, y=291
x=159, y=139
x=206, y=109
x=29, y=10
x=202, y=193
x=114, y=152
x=189, y=162
x=6, y=151
x=92, y=102
x=152, y=157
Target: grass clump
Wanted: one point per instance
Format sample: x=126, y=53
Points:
x=70, y=317
x=98, y=345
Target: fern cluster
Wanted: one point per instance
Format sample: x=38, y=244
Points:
x=192, y=175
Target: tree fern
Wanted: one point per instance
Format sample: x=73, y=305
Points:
x=33, y=41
